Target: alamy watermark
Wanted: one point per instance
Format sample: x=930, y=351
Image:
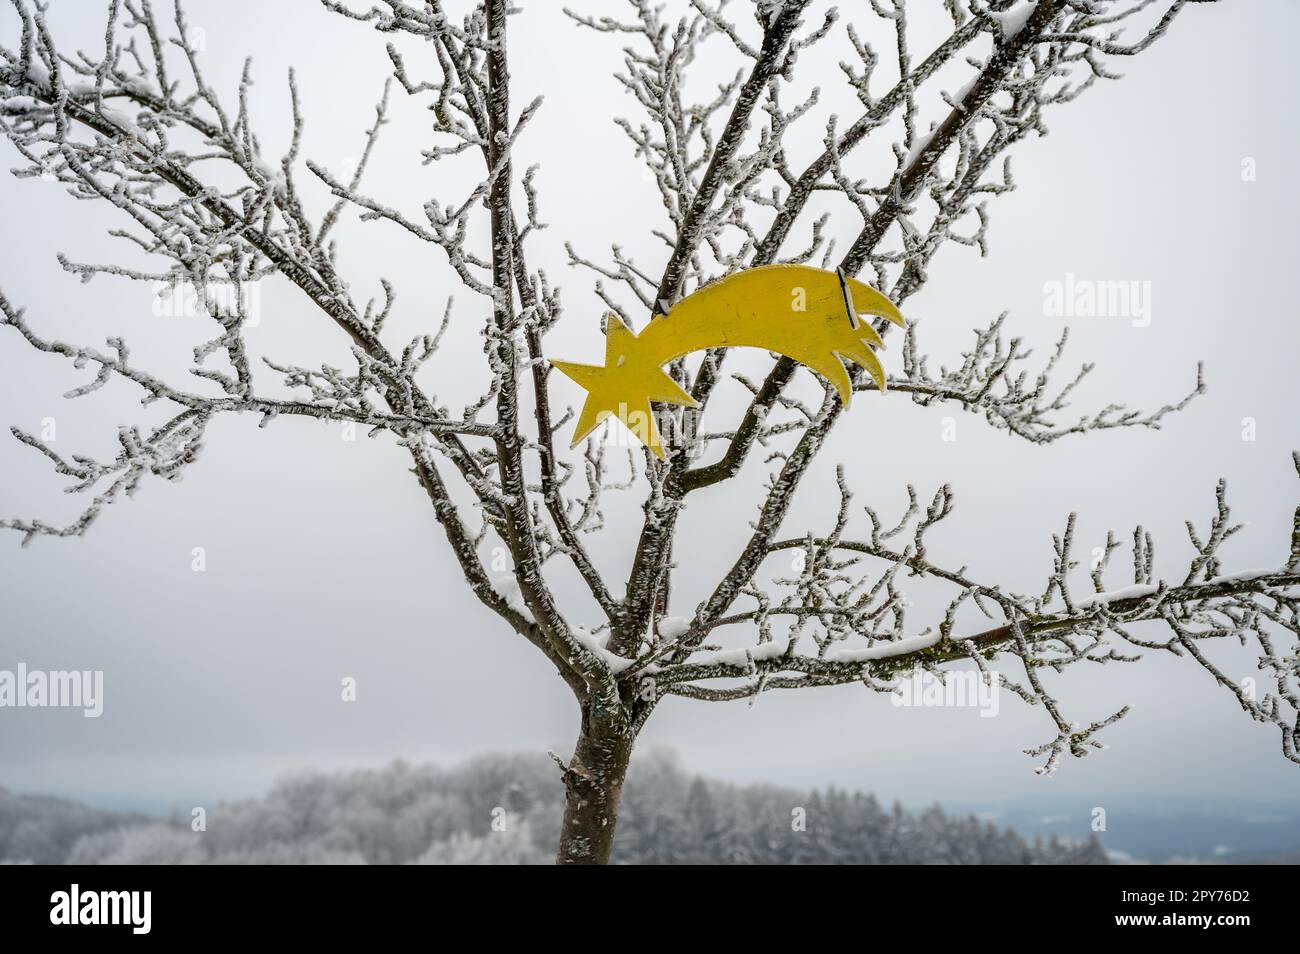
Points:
x=219, y=299
x=129, y=908
x=951, y=690
x=1086, y=298
x=54, y=689
x=637, y=430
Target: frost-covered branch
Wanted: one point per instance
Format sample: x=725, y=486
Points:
x=844, y=615
x=993, y=379
x=157, y=155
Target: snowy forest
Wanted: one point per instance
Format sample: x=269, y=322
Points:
x=504, y=810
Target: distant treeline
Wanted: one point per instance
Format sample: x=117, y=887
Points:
x=505, y=809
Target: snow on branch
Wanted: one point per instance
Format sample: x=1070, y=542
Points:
x=845, y=616
x=992, y=379
x=142, y=130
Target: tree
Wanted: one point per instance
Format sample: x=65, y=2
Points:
x=139, y=128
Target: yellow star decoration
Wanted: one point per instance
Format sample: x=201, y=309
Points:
x=804, y=313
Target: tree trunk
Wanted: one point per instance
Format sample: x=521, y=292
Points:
x=593, y=784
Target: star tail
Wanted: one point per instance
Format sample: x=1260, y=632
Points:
x=830, y=367
x=859, y=353
x=868, y=301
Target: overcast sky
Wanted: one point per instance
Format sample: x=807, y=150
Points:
x=323, y=559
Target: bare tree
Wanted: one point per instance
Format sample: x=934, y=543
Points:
x=138, y=127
